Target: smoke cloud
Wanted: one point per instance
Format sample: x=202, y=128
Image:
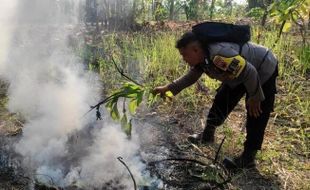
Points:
x=50, y=88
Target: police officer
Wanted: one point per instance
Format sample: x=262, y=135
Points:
x=251, y=72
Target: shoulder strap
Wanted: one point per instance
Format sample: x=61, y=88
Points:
x=208, y=56
x=208, y=52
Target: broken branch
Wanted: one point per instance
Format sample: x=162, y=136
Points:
x=133, y=179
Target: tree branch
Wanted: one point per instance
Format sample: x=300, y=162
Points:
x=218, y=150
x=179, y=159
x=100, y=103
x=133, y=179
x=123, y=74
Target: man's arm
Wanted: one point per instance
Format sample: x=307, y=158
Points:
x=249, y=77
x=185, y=81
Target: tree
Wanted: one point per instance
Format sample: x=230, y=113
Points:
x=171, y=9
x=255, y=3
x=114, y=14
x=229, y=5
x=191, y=9
x=91, y=11
x=212, y=9
x=159, y=10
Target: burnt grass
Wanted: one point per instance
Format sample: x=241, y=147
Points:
x=176, y=166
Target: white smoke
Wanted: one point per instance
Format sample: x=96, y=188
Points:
x=50, y=88
x=8, y=8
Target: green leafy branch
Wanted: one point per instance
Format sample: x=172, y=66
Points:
x=134, y=94
x=131, y=92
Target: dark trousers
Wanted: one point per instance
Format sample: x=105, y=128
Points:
x=227, y=98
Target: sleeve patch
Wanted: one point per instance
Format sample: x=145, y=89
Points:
x=233, y=65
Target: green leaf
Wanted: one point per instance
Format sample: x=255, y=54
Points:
x=287, y=27
x=114, y=112
x=126, y=125
x=129, y=128
x=139, y=98
x=131, y=95
x=304, y=9
x=169, y=94
x=132, y=86
x=108, y=105
x=295, y=16
x=124, y=121
x=152, y=99
x=288, y=10
x=132, y=106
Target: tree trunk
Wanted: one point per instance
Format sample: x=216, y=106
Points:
x=255, y=3
x=212, y=9
x=153, y=8
x=96, y=14
x=266, y=4
x=106, y=12
x=309, y=21
x=171, y=10
x=157, y=9
x=133, y=13
x=258, y=3
x=228, y=4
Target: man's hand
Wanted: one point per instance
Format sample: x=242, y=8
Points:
x=160, y=90
x=254, y=108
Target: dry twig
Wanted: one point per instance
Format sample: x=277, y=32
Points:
x=133, y=179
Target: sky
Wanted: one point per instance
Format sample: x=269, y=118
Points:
x=240, y=1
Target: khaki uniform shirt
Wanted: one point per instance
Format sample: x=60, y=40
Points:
x=260, y=65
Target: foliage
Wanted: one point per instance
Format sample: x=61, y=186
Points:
x=134, y=94
x=289, y=12
x=191, y=9
x=128, y=91
x=256, y=13
x=122, y=13
x=160, y=12
x=255, y=3
x=304, y=58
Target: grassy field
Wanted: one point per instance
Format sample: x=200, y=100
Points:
x=151, y=58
